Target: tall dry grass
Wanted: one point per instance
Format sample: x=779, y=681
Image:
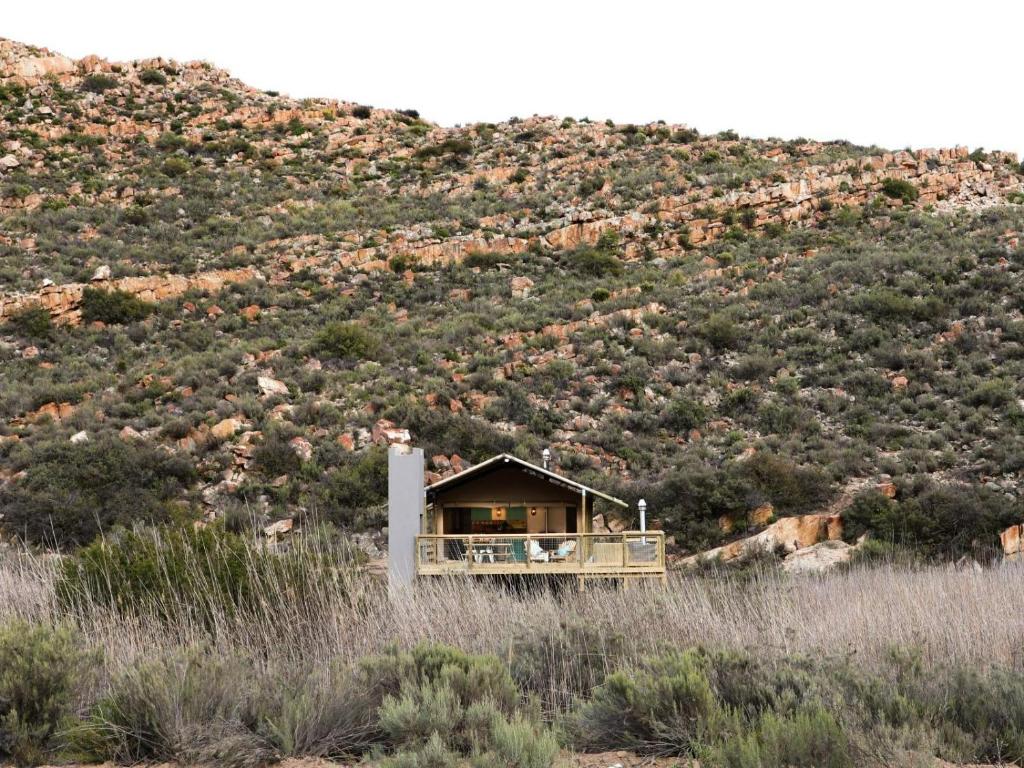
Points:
x=951, y=616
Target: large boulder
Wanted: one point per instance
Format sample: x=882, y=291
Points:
x=818, y=558
x=1011, y=540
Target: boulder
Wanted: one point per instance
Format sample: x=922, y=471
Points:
x=521, y=287
x=130, y=435
x=225, y=428
x=270, y=387
x=762, y=515
x=250, y=313
x=818, y=558
x=80, y=437
x=101, y=274
x=1011, y=541
x=302, y=447
x=41, y=66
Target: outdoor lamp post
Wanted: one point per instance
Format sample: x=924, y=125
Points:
x=642, y=506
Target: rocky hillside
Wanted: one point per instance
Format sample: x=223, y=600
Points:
x=216, y=300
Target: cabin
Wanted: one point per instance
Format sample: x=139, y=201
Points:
x=508, y=517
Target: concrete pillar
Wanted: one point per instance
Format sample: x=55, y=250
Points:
x=405, y=508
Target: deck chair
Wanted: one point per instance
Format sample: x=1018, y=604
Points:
x=537, y=552
x=518, y=553
x=564, y=552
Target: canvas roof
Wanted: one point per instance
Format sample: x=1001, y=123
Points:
x=506, y=458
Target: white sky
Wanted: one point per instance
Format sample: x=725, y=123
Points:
x=895, y=73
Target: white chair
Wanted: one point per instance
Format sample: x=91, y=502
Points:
x=537, y=553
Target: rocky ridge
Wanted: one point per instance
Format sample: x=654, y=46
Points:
x=541, y=279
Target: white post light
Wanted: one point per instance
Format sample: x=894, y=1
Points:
x=546, y=455
x=642, y=506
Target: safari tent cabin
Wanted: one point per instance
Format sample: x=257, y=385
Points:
x=507, y=516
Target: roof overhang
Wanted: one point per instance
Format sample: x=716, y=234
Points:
x=503, y=459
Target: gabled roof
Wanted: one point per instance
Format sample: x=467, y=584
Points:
x=507, y=458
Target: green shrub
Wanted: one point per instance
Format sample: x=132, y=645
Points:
x=434, y=754
x=562, y=663
x=152, y=77
x=684, y=414
x=361, y=111
x=113, y=307
x=323, y=711
x=347, y=342
x=32, y=323
x=98, y=83
x=202, y=575
x=899, y=189
x=810, y=738
x=40, y=668
x=664, y=706
x=721, y=332
x=519, y=743
x=175, y=167
x=453, y=146
x=984, y=711
x=70, y=493
x=484, y=260
x=938, y=521
x=275, y=457
x=442, y=700
x=592, y=262
x=191, y=707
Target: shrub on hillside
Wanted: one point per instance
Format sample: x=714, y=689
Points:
x=113, y=307
x=347, y=342
x=152, y=77
x=899, y=189
x=940, y=521
x=70, y=492
x=98, y=83
x=721, y=332
x=683, y=414
x=592, y=262
x=32, y=323
x=40, y=668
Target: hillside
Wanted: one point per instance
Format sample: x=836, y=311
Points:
x=219, y=301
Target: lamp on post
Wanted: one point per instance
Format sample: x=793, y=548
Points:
x=642, y=506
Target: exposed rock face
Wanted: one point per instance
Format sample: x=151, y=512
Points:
x=270, y=386
x=787, y=534
x=1011, y=541
x=64, y=301
x=818, y=558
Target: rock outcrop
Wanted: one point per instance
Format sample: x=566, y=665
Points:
x=787, y=534
x=64, y=301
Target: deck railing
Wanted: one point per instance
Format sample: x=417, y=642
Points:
x=610, y=554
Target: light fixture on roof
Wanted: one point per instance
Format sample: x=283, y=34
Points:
x=546, y=456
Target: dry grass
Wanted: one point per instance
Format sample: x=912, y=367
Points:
x=951, y=616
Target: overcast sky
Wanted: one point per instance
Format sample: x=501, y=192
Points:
x=896, y=73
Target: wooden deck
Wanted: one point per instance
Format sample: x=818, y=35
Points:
x=628, y=555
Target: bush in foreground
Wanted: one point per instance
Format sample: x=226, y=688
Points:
x=39, y=669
